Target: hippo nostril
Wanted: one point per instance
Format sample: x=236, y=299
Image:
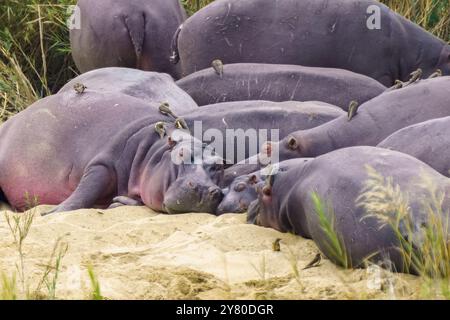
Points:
x=243, y=206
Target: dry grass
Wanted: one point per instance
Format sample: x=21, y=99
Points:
x=425, y=249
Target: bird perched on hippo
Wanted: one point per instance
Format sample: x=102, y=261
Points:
x=125, y=33
x=316, y=33
x=362, y=192
x=84, y=150
x=152, y=87
x=427, y=141
x=373, y=122
x=272, y=82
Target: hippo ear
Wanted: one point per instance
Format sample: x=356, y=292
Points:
x=267, y=190
x=160, y=129
x=292, y=143
x=253, y=179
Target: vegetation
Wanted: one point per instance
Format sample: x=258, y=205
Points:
x=425, y=249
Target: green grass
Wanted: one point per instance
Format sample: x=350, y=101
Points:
x=334, y=243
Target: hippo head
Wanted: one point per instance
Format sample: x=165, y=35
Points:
x=193, y=191
x=240, y=194
x=179, y=176
x=262, y=211
x=198, y=170
x=290, y=147
x=444, y=61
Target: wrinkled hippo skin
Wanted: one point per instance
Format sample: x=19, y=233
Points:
x=314, y=33
x=272, y=82
x=339, y=178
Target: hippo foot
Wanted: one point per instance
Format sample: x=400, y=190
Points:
x=124, y=201
x=60, y=208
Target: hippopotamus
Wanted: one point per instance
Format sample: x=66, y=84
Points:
x=153, y=87
x=428, y=141
x=373, y=122
x=230, y=126
x=355, y=187
x=125, y=33
x=363, y=36
x=243, y=190
x=273, y=82
x=86, y=150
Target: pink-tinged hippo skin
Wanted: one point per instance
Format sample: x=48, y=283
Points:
x=242, y=191
x=82, y=150
x=242, y=116
x=339, y=178
x=126, y=33
x=273, y=82
x=375, y=121
x=314, y=33
x=428, y=141
x=152, y=87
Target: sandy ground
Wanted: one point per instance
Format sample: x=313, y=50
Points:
x=137, y=254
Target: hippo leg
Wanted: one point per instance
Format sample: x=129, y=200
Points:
x=95, y=181
x=125, y=201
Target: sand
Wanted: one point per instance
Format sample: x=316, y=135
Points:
x=138, y=254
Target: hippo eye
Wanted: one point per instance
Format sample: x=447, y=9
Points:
x=292, y=143
x=240, y=187
x=253, y=179
x=267, y=191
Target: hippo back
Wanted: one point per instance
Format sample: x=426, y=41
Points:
x=271, y=82
x=152, y=87
x=427, y=141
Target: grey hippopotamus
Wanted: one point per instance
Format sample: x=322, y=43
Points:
x=153, y=87
x=428, y=141
x=363, y=36
x=374, y=121
x=243, y=190
x=125, y=33
x=230, y=126
x=272, y=82
x=84, y=150
x=343, y=181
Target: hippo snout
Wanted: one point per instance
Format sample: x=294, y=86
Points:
x=231, y=207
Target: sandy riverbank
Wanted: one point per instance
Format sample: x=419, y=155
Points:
x=137, y=254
